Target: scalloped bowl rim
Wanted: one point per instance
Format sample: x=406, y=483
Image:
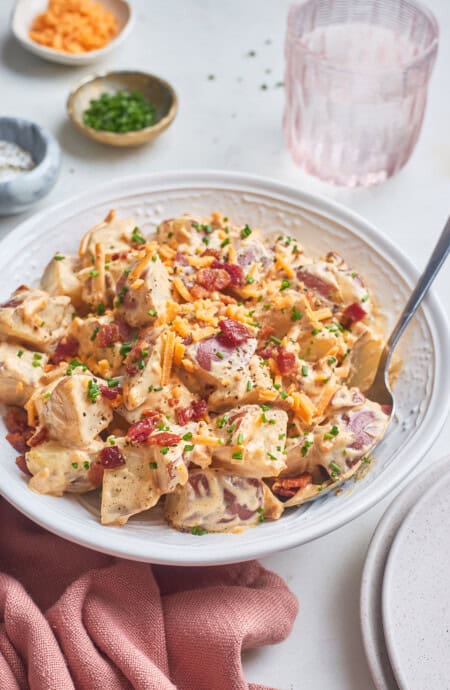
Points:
x=220, y=548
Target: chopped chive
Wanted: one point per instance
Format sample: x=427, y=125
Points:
x=137, y=237
x=240, y=439
x=335, y=467
x=59, y=257
x=272, y=456
x=285, y=284
x=249, y=386
x=305, y=447
x=19, y=353
x=276, y=340
x=93, y=273
x=94, y=333
x=305, y=370
x=283, y=395
x=188, y=448
x=332, y=361
x=246, y=231
x=249, y=280
x=296, y=315
x=220, y=355
x=237, y=455
x=75, y=465
x=86, y=465
x=199, y=531
x=187, y=436
x=165, y=450
x=152, y=312
x=225, y=242
x=153, y=465
x=100, y=309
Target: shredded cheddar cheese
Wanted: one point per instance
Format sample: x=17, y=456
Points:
x=74, y=26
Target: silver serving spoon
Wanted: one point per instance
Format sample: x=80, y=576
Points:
x=380, y=391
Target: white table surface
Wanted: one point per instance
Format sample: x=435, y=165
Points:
x=231, y=122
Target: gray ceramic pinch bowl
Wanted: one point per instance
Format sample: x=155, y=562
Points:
x=23, y=191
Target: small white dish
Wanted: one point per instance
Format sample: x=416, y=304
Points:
x=321, y=225
x=26, y=10
x=416, y=593
x=373, y=573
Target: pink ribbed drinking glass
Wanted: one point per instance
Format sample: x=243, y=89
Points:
x=357, y=74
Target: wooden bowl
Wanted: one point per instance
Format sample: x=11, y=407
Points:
x=155, y=90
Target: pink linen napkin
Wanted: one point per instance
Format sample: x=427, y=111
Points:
x=71, y=618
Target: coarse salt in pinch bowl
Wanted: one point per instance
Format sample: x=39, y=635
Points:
x=71, y=53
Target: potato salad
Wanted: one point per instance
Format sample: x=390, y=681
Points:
x=211, y=369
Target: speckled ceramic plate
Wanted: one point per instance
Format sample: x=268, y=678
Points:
x=416, y=592
x=321, y=225
x=373, y=573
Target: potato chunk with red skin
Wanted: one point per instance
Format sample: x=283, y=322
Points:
x=60, y=278
x=253, y=441
x=139, y=299
x=92, y=348
x=71, y=414
x=20, y=373
x=57, y=470
x=149, y=471
x=35, y=318
x=215, y=501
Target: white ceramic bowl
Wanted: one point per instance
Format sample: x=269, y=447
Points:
x=321, y=225
x=25, y=11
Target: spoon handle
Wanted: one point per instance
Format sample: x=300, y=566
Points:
x=433, y=266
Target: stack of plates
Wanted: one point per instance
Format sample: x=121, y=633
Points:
x=405, y=592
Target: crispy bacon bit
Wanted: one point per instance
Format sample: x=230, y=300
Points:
x=289, y=487
x=387, y=409
x=212, y=252
x=22, y=465
x=95, y=473
x=139, y=432
x=197, y=411
x=188, y=340
x=199, y=292
x=213, y=278
x=110, y=393
x=66, y=348
x=200, y=484
x=131, y=370
x=39, y=437
x=124, y=330
x=111, y=457
x=16, y=419
x=233, y=332
x=286, y=361
x=354, y=312
x=122, y=255
x=184, y=415
x=315, y=283
x=235, y=271
x=17, y=440
x=19, y=431
x=267, y=352
x=164, y=439
x=108, y=334
x=181, y=259
x=265, y=332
